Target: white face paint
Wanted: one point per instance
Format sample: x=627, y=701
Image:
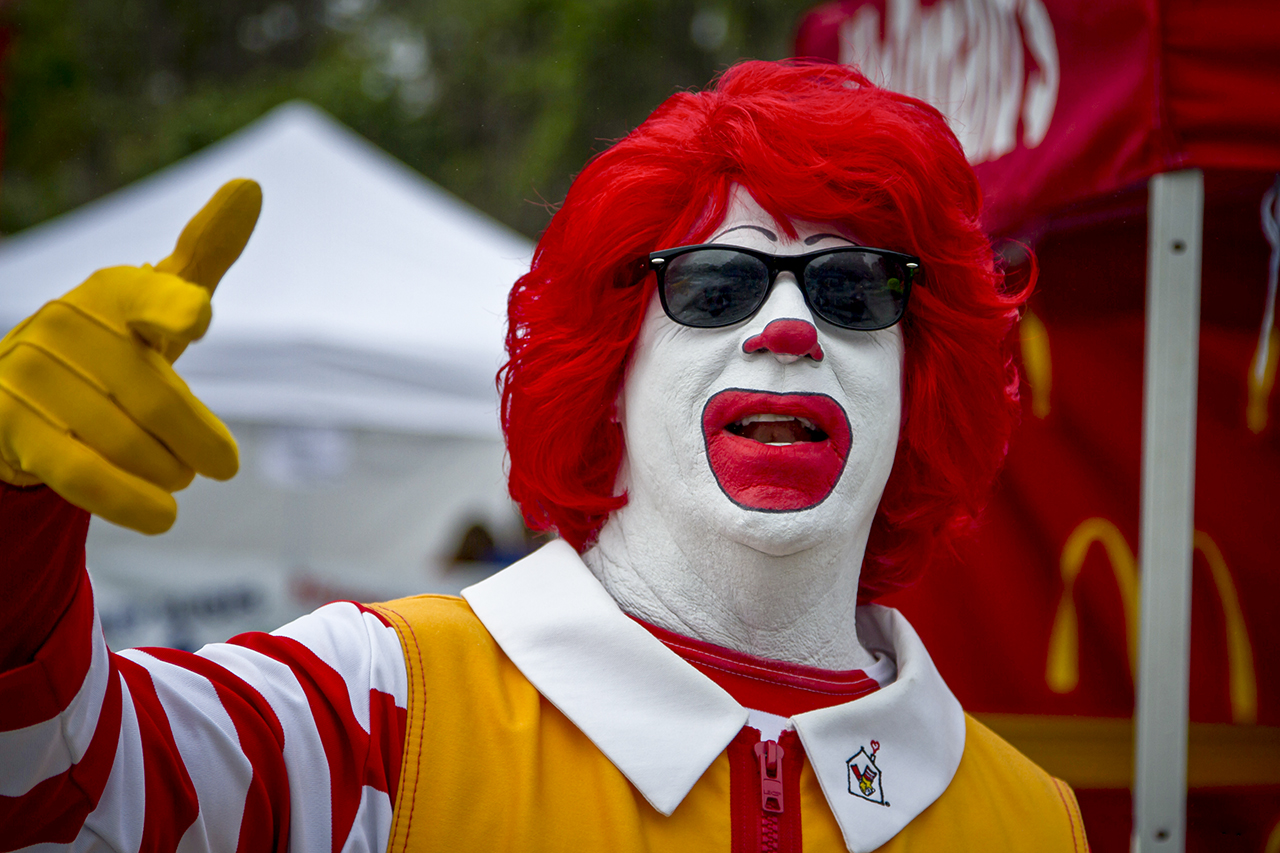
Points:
x=735, y=532
x=683, y=456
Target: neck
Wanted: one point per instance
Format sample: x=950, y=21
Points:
x=796, y=607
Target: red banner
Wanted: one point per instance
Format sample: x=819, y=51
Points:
x=1060, y=102
x=1066, y=107
x=1052, y=579
x=1041, y=617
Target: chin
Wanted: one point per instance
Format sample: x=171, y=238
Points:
x=831, y=524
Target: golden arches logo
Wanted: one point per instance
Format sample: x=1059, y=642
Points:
x=1062, y=665
x=1062, y=670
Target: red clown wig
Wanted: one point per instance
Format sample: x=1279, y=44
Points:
x=811, y=142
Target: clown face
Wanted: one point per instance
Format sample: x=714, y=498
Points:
x=777, y=433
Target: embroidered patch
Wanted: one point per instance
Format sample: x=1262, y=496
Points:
x=866, y=780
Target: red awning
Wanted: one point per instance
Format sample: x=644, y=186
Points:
x=1063, y=102
x=1066, y=108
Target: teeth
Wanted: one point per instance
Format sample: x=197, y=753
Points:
x=767, y=417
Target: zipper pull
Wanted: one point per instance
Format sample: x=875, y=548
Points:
x=770, y=757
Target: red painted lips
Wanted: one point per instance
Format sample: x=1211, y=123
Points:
x=775, y=452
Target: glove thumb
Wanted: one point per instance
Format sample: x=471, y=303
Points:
x=210, y=244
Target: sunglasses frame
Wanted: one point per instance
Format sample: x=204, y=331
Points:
x=794, y=264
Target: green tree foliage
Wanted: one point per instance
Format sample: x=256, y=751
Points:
x=500, y=101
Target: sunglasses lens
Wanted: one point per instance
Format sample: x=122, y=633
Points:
x=714, y=287
x=857, y=290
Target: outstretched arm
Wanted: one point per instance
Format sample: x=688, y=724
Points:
x=245, y=746
x=267, y=741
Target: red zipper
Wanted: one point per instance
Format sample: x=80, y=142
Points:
x=764, y=793
x=772, y=804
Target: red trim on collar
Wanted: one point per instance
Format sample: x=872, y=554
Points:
x=776, y=687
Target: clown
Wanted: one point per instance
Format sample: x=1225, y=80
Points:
x=756, y=379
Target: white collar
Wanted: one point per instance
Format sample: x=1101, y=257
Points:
x=662, y=723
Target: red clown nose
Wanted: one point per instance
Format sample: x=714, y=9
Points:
x=786, y=337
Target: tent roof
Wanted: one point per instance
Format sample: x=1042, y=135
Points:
x=1064, y=102
x=368, y=296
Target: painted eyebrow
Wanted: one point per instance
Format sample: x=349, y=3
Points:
x=765, y=231
x=809, y=241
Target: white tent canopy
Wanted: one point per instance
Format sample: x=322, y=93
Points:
x=367, y=297
x=352, y=353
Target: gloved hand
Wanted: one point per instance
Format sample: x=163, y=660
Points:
x=89, y=404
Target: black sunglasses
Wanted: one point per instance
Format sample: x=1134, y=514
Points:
x=853, y=287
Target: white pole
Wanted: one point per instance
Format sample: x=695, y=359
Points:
x=1176, y=212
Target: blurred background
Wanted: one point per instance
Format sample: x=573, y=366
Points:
x=498, y=101
x=420, y=148
x=411, y=152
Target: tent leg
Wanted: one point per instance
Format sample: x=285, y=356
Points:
x=1176, y=213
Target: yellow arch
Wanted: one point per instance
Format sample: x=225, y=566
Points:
x=1062, y=669
x=1034, y=339
x=1262, y=378
x=1241, y=676
x=1062, y=666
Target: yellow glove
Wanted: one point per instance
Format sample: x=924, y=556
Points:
x=89, y=404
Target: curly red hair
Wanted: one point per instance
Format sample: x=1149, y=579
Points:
x=816, y=142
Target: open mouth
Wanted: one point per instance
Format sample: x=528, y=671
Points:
x=776, y=430
x=775, y=452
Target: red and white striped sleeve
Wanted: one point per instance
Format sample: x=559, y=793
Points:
x=289, y=740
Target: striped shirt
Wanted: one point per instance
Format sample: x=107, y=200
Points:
x=288, y=740
x=267, y=742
